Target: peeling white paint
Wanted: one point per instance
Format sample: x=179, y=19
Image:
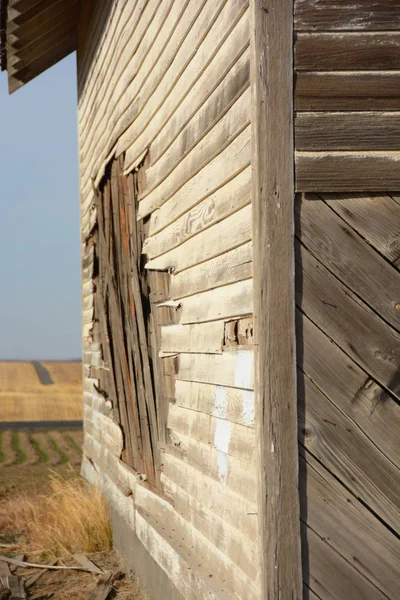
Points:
x=244, y=370
x=222, y=437
x=220, y=408
x=248, y=407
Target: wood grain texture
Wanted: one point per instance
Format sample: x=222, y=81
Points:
x=347, y=51
x=374, y=216
x=354, y=131
x=346, y=319
x=350, y=528
x=347, y=171
x=317, y=15
x=349, y=90
x=349, y=257
x=371, y=408
x=273, y=232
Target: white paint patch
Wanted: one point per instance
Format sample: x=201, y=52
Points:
x=222, y=437
x=248, y=407
x=220, y=408
x=222, y=464
x=244, y=370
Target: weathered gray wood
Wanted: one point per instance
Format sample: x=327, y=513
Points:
x=348, y=527
x=349, y=257
x=330, y=575
x=347, y=320
x=347, y=171
x=350, y=388
x=314, y=15
x=316, y=131
x=355, y=461
x=347, y=51
x=376, y=217
x=273, y=232
x=370, y=90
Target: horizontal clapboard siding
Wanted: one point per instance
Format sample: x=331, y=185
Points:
x=322, y=15
x=166, y=85
x=347, y=84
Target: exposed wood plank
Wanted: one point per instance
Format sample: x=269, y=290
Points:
x=347, y=171
x=231, y=507
x=229, y=301
x=349, y=257
x=376, y=217
x=350, y=388
x=239, y=548
x=356, y=462
x=219, y=137
x=233, y=231
x=204, y=338
x=369, y=90
x=235, y=265
x=197, y=52
x=230, y=439
x=234, y=369
x=330, y=575
x=315, y=15
x=234, y=404
x=347, y=51
x=350, y=528
x=365, y=337
x=222, y=203
x=212, y=94
x=273, y=232
x=223, y=167
x=347, y=131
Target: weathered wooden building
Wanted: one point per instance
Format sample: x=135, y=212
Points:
x=239, y=163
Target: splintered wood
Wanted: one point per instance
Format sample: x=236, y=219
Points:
x=124, y=323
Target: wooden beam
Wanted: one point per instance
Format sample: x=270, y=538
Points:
x=273, y=243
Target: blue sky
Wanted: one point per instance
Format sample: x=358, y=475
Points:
x=40, y=307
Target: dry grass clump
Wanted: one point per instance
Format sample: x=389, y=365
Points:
x=70, y=517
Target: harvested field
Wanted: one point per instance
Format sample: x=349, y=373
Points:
x=39, y=392
x=29, y=447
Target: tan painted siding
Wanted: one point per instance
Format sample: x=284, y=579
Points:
x=168, y=81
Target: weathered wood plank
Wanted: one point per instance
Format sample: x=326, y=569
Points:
x=273, y=232
x=234, y=404
x=350, y=528
x=203, y=139
x=219, y=171
x=347, y=51
x=349, y=257
x=238, y=547
x=347, y=171
x=369, y=90
x=219, y=137
x=206, y=37
x=229, y=301
x=355, y=328
x=223, y=202
x=228, y=438
x=330, y=575
x=233, y=369
x=234, y=265
x=376, y=217
x=233, y=231
x=356, y=461
x=354, y=131
x=315, y=15
x=203, y=338
x=350, y=388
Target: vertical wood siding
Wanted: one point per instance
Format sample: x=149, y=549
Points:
x=164, y=87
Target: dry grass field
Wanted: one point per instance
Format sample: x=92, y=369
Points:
x=24, y=397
